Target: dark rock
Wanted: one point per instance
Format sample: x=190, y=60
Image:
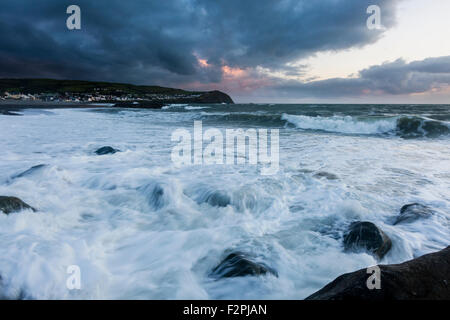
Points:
x=13, y=204
x=367, y=236
x=412, y=212
x=423, y=278
x=238, y=264
x=327, y=175
x=106, y=150
x=30, y=171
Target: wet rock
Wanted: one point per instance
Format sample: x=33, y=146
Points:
x=106, y=150
x=412, y=212
x=12, y=204
x=30, y=171
x=326, y=175
x=367, y=236
x=238, y=264
x=423, y=278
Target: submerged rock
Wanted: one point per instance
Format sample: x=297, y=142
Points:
x=412, y=212
x=106, y=150
x=155, y=195
x=423, y=278
x=367, y=236
x=9, y=113
x=30, y=171
x=238, y=264
x=327, y=175
x=215, y=198
x=12, y=204
x=218, y=199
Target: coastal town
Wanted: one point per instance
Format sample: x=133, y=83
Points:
x=120, y=94
x=97, y=96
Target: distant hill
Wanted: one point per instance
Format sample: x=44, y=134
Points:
x=84, y=89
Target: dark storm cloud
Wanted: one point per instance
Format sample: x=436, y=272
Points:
x=159, y=41
x=393, y=78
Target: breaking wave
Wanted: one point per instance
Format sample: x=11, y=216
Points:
x=411, y=127
x=403, y=126
x=339, y=124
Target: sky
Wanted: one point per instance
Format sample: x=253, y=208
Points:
x=291, y=51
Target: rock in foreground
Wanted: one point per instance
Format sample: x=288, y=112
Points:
x=367, y=236
x=424, y=278
x=238, y=264
x=12, y=204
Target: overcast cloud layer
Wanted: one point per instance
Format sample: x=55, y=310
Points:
x=393, y=78
x=161, y=42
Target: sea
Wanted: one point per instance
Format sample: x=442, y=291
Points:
x=136, y=225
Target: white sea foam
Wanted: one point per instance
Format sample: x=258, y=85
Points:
x=141, y=228
x=103, y=104
x=174, y=105
x=195, y=108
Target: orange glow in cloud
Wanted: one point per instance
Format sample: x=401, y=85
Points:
x=232, y=72
x=227, y=70
x=234, y=80
x=203, y=63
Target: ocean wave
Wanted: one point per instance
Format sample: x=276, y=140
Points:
x=396, y=125
x=403, y=126
x=255, y=119
x=174, y=105
x=411, y=127
x=341, y=124
x=195, y=108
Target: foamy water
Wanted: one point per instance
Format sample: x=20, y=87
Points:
x=100, y=212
